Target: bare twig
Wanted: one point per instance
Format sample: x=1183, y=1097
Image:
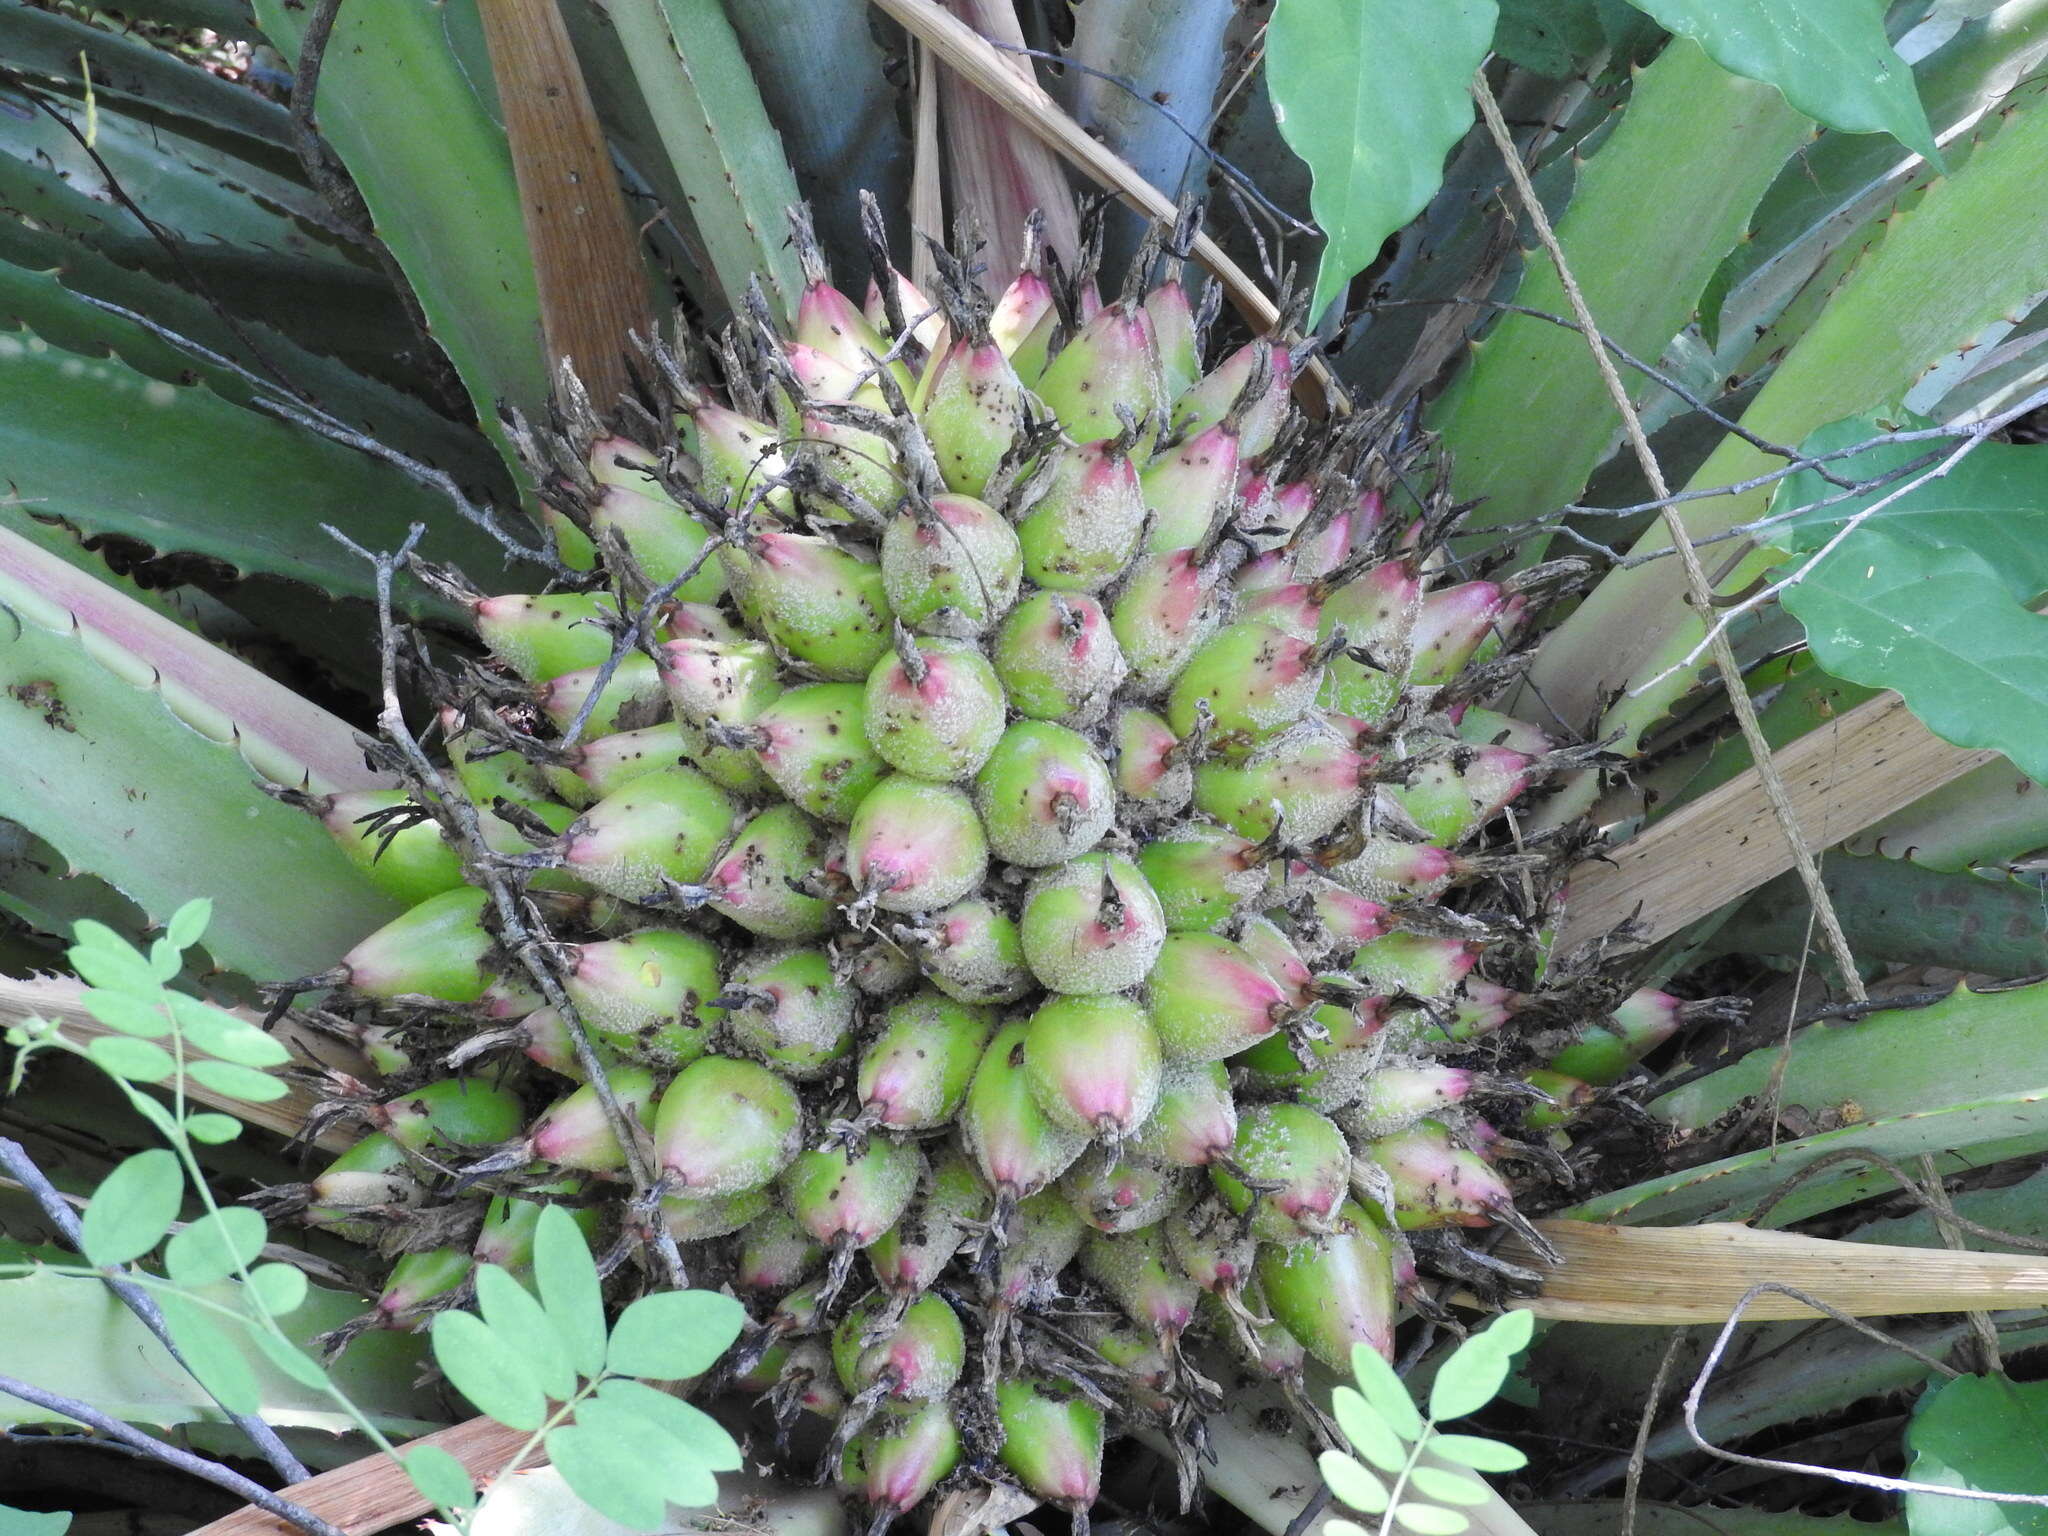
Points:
x=15, y=1159
x=1695, y=575
x=156, y=1450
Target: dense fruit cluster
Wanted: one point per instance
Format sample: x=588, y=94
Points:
x=1035, y=851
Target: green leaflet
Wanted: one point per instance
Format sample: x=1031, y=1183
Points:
x=1979, y=1432
x=191, y=472
x=1940, y=627
x=720, y=143
x=1897, y=1062
x=74, y=1336
x=1830, y=58
x=128, y=744
x=1372, y=94
x=433, y=167
x=1668, y=194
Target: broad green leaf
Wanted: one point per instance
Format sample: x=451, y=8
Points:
x=218, y=1359
x=1830, y=57
x=609, y=1476
x=281, y=1288
x=173, y=795
x=1477, y=1452
x=1448, y=1487
x=188, y=924
x=215, y=1245
x=1430, y=1520
x=74, y=1336
x=489, y=1370
x=1972, y=252
x=720, y=143
x=1939, y=626
x=219, y=1033
x=1669, y=191
x=1984, y=1433
x=511, y=1311
x=1353, y=1482
x=1470, y=1379
x=211, y=1129
x=1385, y=1391
x=440, y=1478
x=128, y=1013
x=567, y=1281
x=682, y=1478
x=1372, y=94
x=420, y=139
x=1549, y=37
x=674, y=1334
x=133, y=1208
x=25, y=1522
x=237, y=1081
x=1367, y=1430
x=700, y=1437
x=1968, y=1046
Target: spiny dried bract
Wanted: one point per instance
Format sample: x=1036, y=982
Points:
x=1031, y=858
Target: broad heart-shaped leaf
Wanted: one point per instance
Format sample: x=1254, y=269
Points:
x=1938, y=625
x=133, y=1208
x=674, y=1334
x=1372, y=94
x=489, y=1370
x=1994, y=501
x=569, y=1290
x=1981, y=1432
x=1830, y=58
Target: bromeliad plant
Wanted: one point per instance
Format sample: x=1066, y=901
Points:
x=1034, y=834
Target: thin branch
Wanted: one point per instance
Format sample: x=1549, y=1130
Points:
x=156, y=1450
x=1695, y=575
x=15, y=1159
x=1808, y=1469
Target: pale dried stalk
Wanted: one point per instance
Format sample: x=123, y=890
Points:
x=1665, y=1276
x=1695, y=575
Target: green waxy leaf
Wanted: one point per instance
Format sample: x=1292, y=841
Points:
x=512, y=1313
x=1353, y=1482
x=1477, y=1452
x=489, y=1370
x=674, y=1334
x=1372, y=94
x=1830, y=57
x=1387, y=1393
x=1367, y=1430
x=281, y=1288
x=568, y=1285
x=440, y=1478
x=133, y=1207
x=1430, y=1520
x=216, y=1245
x=237, y=1081
x=1984, y=1433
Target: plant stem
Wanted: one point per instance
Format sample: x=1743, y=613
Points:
x=212, y=1472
